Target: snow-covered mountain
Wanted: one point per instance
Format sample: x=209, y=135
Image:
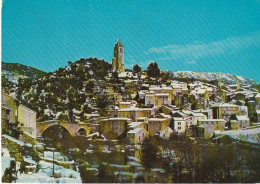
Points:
x=225, y=77
x=14, y=71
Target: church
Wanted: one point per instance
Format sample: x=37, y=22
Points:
x=118, y=59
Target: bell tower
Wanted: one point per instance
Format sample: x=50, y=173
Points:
x=118, y=59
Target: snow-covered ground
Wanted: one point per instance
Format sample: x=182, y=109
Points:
x=44, y=175
x=5, y=160
x=249, y=135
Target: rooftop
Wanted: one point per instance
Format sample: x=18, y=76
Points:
x=134, y=131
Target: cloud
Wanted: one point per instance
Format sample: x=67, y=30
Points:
x=198, y=50
x=191, y=62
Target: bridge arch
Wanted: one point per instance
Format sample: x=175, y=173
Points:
x=54, y=126
x=72, y=128
x=82, y=131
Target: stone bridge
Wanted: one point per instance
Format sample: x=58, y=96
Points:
x=73, y=128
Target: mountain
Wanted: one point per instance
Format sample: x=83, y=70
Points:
x=14, y=71
x=224, y=77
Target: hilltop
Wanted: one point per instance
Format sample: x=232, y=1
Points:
x=13, y=71
x=208, y=76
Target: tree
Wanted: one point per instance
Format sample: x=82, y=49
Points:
x=103, y=102
x=137, y=69
x=153, y=70
x=150, y=152
x=9, y=174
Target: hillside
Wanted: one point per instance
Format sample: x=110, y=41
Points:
x=224, y=77
x=67, y=93
x=14, y=71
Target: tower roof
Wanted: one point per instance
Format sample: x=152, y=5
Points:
x=119, y=43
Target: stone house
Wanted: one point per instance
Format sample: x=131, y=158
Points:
x=113, y=128
x=157, y=124
x=217, y=124
x=206, y=131
x=14, y=111
x=136, y=136
x=166, y=133
x=224, y=111
x=134, y=113
x=197, y=116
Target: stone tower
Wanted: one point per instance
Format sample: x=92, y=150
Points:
x=118, y=59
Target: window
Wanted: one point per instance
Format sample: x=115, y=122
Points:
x=179, y=128
x=179, y=123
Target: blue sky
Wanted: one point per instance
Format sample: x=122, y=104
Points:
x=194, y=35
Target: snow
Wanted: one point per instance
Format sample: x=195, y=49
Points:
x=29, y=160
x=44, y=175
x=157, y=119
x=249, y=135
x=228, y=78
x=134, y=124
x=13, y=140
x=134, y=131
x=5, y=160
x=133, y=158
x=134, y=164
x=211, y=120
x=30, y=135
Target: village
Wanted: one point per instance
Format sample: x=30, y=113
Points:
x=145, y=108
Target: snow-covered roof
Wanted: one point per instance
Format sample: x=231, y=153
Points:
x=134, y=131
x=224, y=105
x=198, y=114
x=211, y=120
x=134, y=124
x=178, y=119
x=125, y=103
x=157, y=119
x=258, y=95
x=115, y=119
x=162, y=94
x=165, y=115
x=142, y=118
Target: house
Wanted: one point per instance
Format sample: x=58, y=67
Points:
x=134, y=125
x=257, y=101
x=205, y=131
x=197, y=116
x=217, y=124
x=124, y=105
x=223, y=111
x=166, y=132
x=179, y=125
x=5, y=117
x=134, y=113
x=208, y=112
x=156, y=124
x=114, y=128
x=157, y=99
x=136, y=136
x=13, y=111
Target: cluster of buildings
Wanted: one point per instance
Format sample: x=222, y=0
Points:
x=143, y=109
x=195, y=108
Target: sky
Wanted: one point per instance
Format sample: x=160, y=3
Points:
x=192, y=35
